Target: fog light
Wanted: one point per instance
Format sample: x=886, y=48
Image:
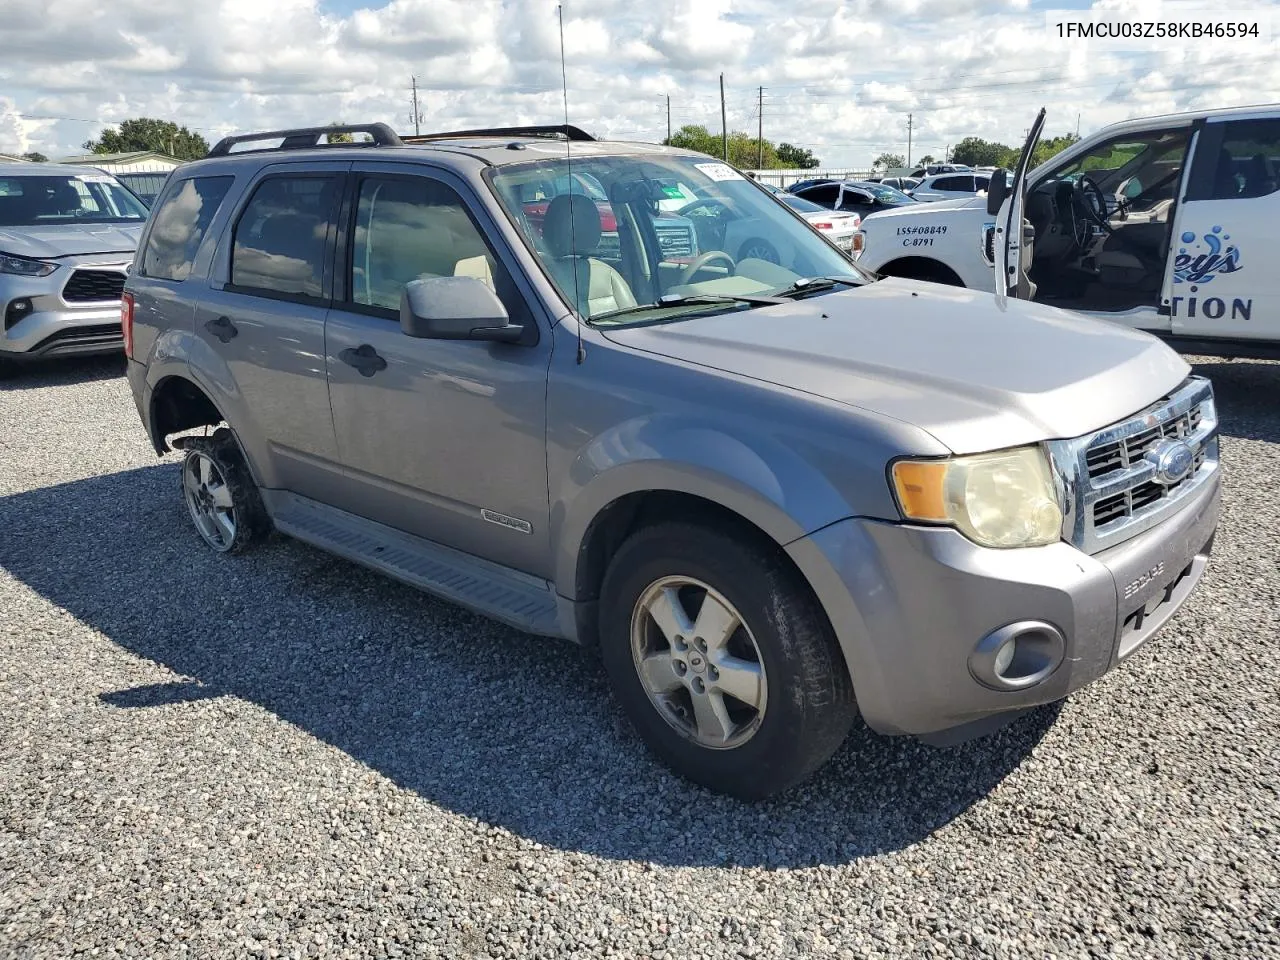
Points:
x=1018, y=656
x=18, y=310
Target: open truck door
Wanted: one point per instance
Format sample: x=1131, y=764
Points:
x=1014, y=240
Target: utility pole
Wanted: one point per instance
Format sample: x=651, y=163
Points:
x=724, y=123
x=760, y=135
x=668, y=118
x=910, y=123
x=417, y=115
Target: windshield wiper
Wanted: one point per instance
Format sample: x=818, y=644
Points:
x=693, y=300
x=812, y=284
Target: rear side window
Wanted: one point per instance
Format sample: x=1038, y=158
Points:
x=963, y=184
x=281, y=238
x=1248, y=163
x=824, y=195
x=180, y=224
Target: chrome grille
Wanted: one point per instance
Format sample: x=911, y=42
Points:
x=1113, y=490
x=674, y=239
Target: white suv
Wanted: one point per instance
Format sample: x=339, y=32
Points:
x=1165, y=224
x=950, y=186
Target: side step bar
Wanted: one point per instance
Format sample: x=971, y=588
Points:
x=524, y=602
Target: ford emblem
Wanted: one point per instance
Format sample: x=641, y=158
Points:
x=1172, y=460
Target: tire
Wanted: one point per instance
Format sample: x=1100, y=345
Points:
x=777, y=732
x=760, y=250
x=220, y=494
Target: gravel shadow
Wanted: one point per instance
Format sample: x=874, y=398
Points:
x=1248, y=396
x=480, y=719
x=36, y=375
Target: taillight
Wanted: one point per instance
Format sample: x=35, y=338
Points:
x=126, y=323
x=823, y=226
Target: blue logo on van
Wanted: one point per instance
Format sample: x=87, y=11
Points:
x=1200, y=262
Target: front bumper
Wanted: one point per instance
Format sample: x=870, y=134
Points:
x=52, y=327
x=910, y=604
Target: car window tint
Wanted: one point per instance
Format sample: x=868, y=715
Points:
x=180, y=225
x=1248, y=163
x=281, y=236
x=414, y=229
x=948, y=183
x=824, y=194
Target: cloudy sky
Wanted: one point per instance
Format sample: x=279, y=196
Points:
x=840, y=76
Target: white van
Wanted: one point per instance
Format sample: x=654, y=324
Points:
x=1167, y=224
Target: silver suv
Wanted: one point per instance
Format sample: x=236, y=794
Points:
x=67, y=237
x=773, y=494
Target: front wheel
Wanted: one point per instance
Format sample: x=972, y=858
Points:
x=722, y=659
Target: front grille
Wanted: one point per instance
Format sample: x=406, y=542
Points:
x=674, y=239
x=93, y=285
x=1124, y=453
x=1113, y=491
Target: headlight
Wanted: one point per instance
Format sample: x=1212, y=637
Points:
x=1001, y=499
x=25, y=267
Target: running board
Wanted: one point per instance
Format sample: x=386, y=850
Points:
x=522, y=601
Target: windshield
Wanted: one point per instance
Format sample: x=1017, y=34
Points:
x=31, y=201
x=669, y=227
x=886, y=194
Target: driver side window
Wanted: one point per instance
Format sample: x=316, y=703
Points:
x=1143, y=169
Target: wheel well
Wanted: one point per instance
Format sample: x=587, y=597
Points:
x=624, y=516
x=178, y=404
x=921, y=268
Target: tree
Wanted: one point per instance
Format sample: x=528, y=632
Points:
x=145, y=133
x=889, y=161
x=339, y=137
x=796, y=158
x=35, y=157
x=1047, y=149
x=744, y=149
x=977, y=152
x=926, y=160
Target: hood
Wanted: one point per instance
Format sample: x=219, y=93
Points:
x=50, y=241
x=945, y=359
x=931, y=207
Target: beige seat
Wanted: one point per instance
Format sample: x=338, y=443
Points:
x=572, y=233
x=478, y=267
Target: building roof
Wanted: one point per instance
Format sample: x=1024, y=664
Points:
x=96, y=159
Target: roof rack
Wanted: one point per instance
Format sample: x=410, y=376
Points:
x=304, y=137
x=559, y=131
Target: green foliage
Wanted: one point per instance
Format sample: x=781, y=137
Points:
x=926, y=160
x=744, y=149
x=796, y=158
x=35, y=157
x=889, y=161
x=338, y=137
x=977, y=152
x=145, y=133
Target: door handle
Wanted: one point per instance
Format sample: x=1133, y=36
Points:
x=364, y=358
x=222, y=328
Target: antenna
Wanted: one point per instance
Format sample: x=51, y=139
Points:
x=568, y=165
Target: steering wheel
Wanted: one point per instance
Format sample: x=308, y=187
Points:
x=1088, y=208
x=700, y=261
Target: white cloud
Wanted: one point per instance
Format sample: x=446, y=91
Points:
x=840, y=76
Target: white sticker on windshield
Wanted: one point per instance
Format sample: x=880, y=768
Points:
x=95, y=178
x=719, y=171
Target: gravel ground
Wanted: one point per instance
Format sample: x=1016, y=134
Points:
x=284, y=755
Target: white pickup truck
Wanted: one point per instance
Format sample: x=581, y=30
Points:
x=1166, y=224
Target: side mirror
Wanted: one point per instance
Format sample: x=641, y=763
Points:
x=997, y=190
x=455, y=308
